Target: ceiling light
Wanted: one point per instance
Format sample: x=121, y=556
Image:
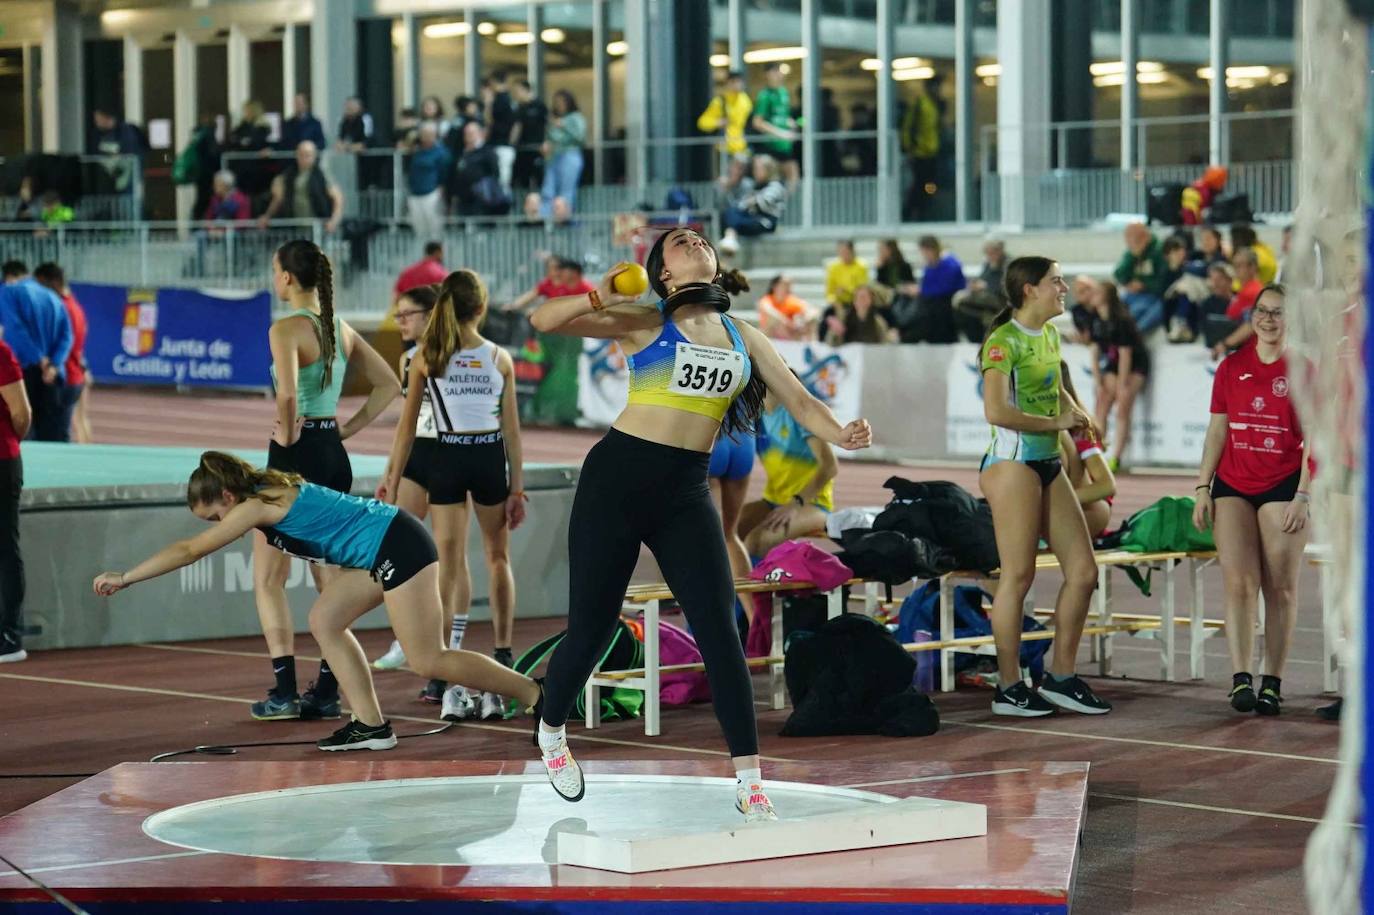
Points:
x=989, y=81
x=1108, y=67
x=617, y=48
x=873, y=64
x=914, y=73
x=486, y=28
x=986, y=70
x=768, y=55
x=1278, y=79
x=720, y=60
x=514, y=38
x=553, y=36
x=447, y=29
x=1259, y=72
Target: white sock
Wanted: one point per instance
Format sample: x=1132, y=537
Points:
x=550, y=739
x=455, y=636
x=749, y=777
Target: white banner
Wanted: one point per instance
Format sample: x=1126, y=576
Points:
x=603, y=382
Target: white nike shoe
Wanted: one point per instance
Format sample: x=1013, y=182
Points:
x=753, y=803
x=14, y=657
x=564, y=773
x=394, y=659
x=492, y=706
x=458, y=705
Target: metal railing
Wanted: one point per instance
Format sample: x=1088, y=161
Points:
x=111, y=189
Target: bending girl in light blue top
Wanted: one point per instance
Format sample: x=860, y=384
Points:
x=385, y=555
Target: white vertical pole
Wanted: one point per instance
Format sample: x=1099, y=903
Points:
x=1218, y=59
x=288, y=67
x=64, y=111
x=739, y=39
x=410, y=61
x=889, y=178
x=33, y=104
x=1023, y=107
x=472, y=54
x=535, y=65
x=811, y=105
x=1130, y=101
x=637, y=132
x=133, y=80
x=963, y=109
x=240, y=70
x=183, y=109
x=601, y=86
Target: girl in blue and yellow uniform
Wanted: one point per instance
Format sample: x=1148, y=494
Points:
x=693, y=374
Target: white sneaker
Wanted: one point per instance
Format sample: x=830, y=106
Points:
x=493, y=706
x=564, y=773
x=14, y=657
x=394, y=659
x=730, y=243
x=457, y=704
x=753, y=803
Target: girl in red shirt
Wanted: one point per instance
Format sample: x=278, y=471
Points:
x=1253, y=489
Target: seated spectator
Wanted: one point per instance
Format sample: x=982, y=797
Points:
x=1086, y=466
x=425, y=178
x=1210, y=247
x=564, y=138
x=1213, y=323
x=941, y=277
x=756, y=206
x=1245, y=263
x=860, y=322
x=227, y=203
x=1121, y=366
x=976, y=306
x=1198, y=196
x=475, y=184
x=1243, y=236
x=844, y=275
x=1187, y=287
x=783, y=316
x=1141, y=273
x=800, y=488
x=894, y=275
x=305, y=191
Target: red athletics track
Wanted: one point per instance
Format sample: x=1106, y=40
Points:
x=1192, y=807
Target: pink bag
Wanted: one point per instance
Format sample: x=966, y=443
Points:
x=676, y=646
x=794, y=560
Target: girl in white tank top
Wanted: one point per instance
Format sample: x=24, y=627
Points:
x=467, y=397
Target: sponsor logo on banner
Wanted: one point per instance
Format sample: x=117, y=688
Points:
x=603, y=381
x=833, y=374
x=199, y=576
x=139, y=333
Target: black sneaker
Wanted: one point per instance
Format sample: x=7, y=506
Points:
x=1073, y=694
x=277, y=708
x=1269, y=698
x=1019, y=701
x=1242, y=693
x=1331, y=712
x=316, y=706
x=358, y=736
x=433, y=691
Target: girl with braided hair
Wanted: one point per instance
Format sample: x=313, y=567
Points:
x=311, y=352
x=694, y=373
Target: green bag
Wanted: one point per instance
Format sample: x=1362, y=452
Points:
x=1165, y=526
x=186, y=168
x=625, y=652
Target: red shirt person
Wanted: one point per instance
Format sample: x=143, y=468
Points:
x=427, y=271
x=15, y=418
x=1264, y=439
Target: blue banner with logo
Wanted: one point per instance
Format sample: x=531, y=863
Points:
x=176, y=336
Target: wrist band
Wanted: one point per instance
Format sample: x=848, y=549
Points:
x=1202, y=486
x=595, y=298
x=521, y=494
x=1302, y=496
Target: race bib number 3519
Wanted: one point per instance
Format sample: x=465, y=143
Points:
x=706, y=371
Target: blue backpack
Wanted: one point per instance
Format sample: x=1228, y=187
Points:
x=921, y=610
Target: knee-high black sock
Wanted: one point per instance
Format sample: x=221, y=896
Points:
x=504, y=656
x=327, y=684
x=284, y=669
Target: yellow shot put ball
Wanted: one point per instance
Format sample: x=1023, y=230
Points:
x=632, y=281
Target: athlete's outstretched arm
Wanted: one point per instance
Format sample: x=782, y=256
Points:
x=238, y=521
x=381, y=380
x=814, y=416
x=575, y=316
x=404, y=439
x=515, y=450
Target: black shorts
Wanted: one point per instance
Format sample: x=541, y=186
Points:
x=1283, y=492
x=406, y=549
x=767, y=149
x=468, y=462
x=1045, y=468
x=417, y=467
x=318, y=455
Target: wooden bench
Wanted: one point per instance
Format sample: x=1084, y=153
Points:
x=649, y=599
x=1162, y=628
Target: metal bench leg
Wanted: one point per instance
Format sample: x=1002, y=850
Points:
x=946, y=633
x=1197, y=631
x=591, y=699
x=1102, y=644
x=870, y=598
x=776, y=670
x=651, y=675
x=834, y=603
x=1167, y=643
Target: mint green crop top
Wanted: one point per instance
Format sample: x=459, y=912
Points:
x=313, y=397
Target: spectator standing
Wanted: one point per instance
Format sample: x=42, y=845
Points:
x=432, y=113
x=113, y=136
x=757, y=205
x=921, y=144
x=15, y=420
x=249, y=137
x=843, y=276
x=302, y=125
x=226, y=202
x=941, y=277
x=201, y=156
x=500, y=114
x=476, y=181
x=76, y=416
x=527, y=136
x=728, y=113
x=426, y=176
x=356, y=134
x=1253, y=491
x=1121, y=366
x=1142, y=275
x=1243, y=236
x=406, y=131
x=977, y=306
x=427, y=271
x=566, y=134
x=37, y=329
x=304, y=191
x=783, y=316
x=773, y=116
x=555, y=403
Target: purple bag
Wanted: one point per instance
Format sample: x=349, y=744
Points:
x=794, y=560
x=683, y=687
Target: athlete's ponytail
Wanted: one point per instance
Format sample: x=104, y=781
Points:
x=307, y=262
x=219, y=473
x=462, y=299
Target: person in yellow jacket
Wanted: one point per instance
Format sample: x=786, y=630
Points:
x=1243, y=236
x=844, y=275
x=730, y=111
x=921, y=144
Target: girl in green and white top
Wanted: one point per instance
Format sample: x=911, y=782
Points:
x=1026, y=404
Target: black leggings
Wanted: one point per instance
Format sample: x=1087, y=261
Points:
x=633, y=491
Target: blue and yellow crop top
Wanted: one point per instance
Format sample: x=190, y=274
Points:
x=674, y=372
